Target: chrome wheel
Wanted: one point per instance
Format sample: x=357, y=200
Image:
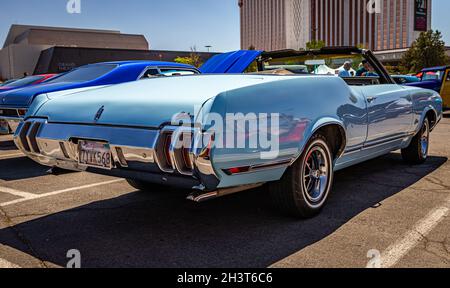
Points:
x=316, y=174
x=306, y=185
x=424, y=139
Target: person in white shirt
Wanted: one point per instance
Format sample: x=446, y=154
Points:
x=345, y=72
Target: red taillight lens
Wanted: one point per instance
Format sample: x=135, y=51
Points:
x=22, y=112
x=237, y=170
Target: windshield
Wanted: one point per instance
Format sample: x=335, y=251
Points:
x=433, y=75
x=25, y=81
x=344, y=65
x=83, y=74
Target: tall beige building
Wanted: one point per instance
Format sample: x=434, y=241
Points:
x=375, y=24
x=274, y=24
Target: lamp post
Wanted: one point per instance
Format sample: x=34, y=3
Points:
x=208, y=47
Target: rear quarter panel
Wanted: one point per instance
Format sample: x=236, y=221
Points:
x=304, y=104
x=424, y=100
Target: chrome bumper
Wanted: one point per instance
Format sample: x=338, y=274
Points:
x=136, y=153
x=13, y=123
x=12, y=117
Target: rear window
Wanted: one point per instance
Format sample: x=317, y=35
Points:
x=25, y=81
x=160, y=72
x=84, y=74
x=177, y=72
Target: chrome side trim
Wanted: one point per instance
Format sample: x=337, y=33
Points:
x=378, y=144
x=262, y=167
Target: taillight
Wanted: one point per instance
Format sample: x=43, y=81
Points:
x=237, y=170
x=22, y=112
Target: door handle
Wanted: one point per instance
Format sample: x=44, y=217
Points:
x=371, y=99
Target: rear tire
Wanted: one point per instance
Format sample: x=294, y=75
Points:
x=417, y=152
x=304, y=189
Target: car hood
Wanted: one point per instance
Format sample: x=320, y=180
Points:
x=24, y=96
x=232, y=62
x=145, y=103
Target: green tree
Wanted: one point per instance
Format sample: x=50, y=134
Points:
x=193, y=59
x=427, y=51
x=315, y=45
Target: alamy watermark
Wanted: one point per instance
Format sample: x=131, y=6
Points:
x=374, y=6
x=74, y=257
x=254, y=131
x=73, y=6
x=374, y=259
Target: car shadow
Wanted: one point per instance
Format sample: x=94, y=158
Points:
x=145, y=229
x=19, y=168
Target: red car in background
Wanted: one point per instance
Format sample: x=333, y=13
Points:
x=17, y=84
x=26, y=81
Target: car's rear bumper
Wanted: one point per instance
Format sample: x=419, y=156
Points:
x=12, y=116
x=136, y=153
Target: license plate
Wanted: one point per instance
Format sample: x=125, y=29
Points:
x=94, y=154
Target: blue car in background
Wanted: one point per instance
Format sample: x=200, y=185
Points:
x=14, y=104
x=26, y=81
x=437, y=79
x=231, y=62
x=405, y=79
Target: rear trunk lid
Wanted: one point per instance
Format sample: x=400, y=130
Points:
x=145, y=103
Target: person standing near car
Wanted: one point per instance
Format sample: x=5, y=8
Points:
x=345, y=71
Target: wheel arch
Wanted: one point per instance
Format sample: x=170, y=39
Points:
x=431, y=114
x=333, y=130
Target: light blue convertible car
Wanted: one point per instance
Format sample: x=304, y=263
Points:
x=221, y=134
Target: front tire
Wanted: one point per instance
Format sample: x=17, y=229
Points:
x=417, y=152
x=304, y=189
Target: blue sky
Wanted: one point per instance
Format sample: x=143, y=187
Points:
x=167, y=24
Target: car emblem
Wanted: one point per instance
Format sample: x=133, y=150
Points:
x=99, y=113
x=4, y=99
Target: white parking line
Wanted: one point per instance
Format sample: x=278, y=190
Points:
x=17, y=192
x=394, y=253
x=30, y=196
x=7, y=265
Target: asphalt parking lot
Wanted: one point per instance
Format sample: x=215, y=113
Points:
x=383, y=205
